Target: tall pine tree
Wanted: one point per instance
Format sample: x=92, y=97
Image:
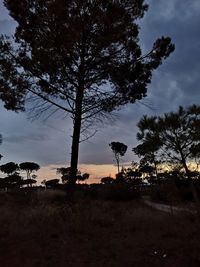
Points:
x=79, y=56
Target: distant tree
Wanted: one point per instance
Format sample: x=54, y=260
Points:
x=29, y=168
x=28, y=182
x=119, y=150
x=13, y=180
x=65, y=172
x=80, y=57
x=147, y=169
x=83, y=177
x=107, y=180
x=52, y=183
x=9, y=168
x=132, y=175
x=120, y=177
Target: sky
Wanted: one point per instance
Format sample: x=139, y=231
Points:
x=175, y=83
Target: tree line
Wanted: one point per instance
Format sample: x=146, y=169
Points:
x=171, y=140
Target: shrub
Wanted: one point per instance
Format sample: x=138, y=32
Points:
x=118, y=192
x=167, y=192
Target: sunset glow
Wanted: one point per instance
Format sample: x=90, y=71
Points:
x=96, y=172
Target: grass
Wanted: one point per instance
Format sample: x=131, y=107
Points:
x=44, y=230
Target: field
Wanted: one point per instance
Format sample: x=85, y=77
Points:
x=44, y=230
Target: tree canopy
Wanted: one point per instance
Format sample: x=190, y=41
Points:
x=81, y=57
x=175, y=136
x=9, y=168
x=29, y=167
x=107, y=180
x=149, y=148
x=65, y=175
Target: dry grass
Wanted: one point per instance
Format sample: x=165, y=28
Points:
x=44, y=231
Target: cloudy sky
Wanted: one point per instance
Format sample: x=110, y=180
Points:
x=177, y=82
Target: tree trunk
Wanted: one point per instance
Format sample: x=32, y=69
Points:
x=117, y=160
x=155, y=165
x=76, y=137
x=78, y=116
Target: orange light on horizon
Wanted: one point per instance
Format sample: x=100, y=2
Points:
x=96, y=172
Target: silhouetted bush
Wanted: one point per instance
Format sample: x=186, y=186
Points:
x=118, y=192
x=167, y=193
x=177, y=190
x=186, y=193
x=52, y=183
x=53, y=196
x=107, y=180
x=94, y=191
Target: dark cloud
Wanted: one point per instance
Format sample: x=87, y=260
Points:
x=179, y=76
x=24, y=138
x=175, y=83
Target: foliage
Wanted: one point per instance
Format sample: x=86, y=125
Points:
x=9, y=168
x=133, y=177
x=66, y=54
x=167, y=193
x=28, y=182
x=107, y=180
x=13, y=180
x=117, y=192
x=29, y=167
x=175, y=136
x=180, y=134
x=146, y=169
x=65, y=172
x=148, y=150
x=83, y=177
x=120, y=177
x=52, y=183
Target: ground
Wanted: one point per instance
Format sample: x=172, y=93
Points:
x=46, y=231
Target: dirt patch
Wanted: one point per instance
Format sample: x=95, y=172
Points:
x=96, y=234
